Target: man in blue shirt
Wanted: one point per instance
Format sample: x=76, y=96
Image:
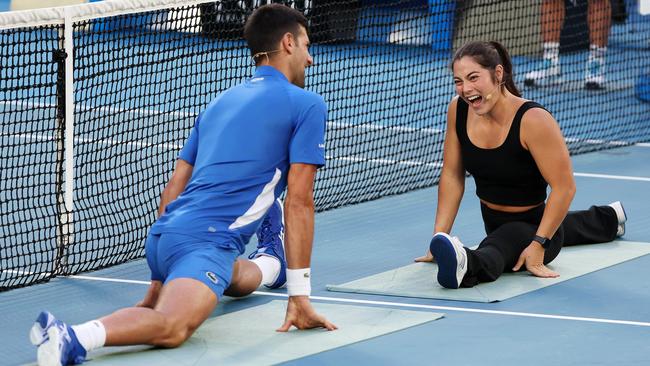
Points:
x=252, y=142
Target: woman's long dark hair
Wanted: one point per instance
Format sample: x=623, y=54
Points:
x=489, y=55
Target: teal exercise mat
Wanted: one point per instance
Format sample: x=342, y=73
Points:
x=419, y=279
x=248, y=337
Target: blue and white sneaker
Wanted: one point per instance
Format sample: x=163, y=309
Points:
x=451, y=258
x=270, y=241
x=38, y=333
x=595, y=74
x=548, y=73
x=620, y=216
x=57, y=343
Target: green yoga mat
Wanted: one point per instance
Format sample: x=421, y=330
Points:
x=419, y=279
x=248, y=337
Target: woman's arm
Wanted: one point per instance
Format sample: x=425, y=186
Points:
x=452, y=180
x=541, y=135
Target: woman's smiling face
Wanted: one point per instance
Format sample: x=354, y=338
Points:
x=475, y=84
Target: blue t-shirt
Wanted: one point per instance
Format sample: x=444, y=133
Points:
x=240, y=148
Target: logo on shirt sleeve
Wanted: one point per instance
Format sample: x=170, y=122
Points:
x=321, y=146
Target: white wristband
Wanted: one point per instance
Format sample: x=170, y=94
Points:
x=299, y=282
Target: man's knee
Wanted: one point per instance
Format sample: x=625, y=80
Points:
x=175, y=333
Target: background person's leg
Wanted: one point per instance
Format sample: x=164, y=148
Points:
x=599, y=20
x=551, y=21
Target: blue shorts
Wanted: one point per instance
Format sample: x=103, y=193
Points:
x=172, y=256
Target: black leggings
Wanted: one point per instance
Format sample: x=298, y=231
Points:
x=508, y=234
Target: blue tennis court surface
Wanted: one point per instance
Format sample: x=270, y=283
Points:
x=598, y=318
x=387, y=107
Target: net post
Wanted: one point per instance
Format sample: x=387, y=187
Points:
x=69, y=121
x=65, y=144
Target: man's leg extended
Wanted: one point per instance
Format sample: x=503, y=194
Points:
x=196, y=274
x=173, y=319
x=169, y=324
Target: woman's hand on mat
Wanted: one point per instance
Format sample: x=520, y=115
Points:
x=533, y=258
x=302, y=315
x=425, y=258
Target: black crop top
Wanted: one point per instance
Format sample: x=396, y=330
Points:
x=505, y=175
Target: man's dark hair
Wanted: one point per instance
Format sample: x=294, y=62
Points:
x=268, y=23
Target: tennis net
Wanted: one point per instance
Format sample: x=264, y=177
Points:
x=96, y=101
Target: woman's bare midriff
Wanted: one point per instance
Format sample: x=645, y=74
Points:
x=511, y=209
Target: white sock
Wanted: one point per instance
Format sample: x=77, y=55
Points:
x=270, y=268
x=597, y=53
x=91, y=335
x=552, y=51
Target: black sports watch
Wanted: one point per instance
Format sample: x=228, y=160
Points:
x=544, y=242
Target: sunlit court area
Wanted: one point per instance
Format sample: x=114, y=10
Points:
x=99, y=98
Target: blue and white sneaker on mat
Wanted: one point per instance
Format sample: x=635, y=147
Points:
x=451, y=258
x=270, y=241
x=620, y=216
x=57, y=343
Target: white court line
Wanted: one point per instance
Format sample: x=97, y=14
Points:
x=113, y=142
x=358, y=159
x=111, y=110
x=108, y=142
x=373, y=127
x=355, y=159
x=413, y=306
x=156, y=112
x=598, y=142
x=607, y=176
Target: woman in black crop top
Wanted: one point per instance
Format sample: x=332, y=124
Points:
x=514, y=149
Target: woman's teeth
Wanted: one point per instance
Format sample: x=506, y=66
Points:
x=474, y=98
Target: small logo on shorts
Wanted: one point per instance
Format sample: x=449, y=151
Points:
x=212, y=277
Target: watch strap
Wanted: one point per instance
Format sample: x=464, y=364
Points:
x=544, y=242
